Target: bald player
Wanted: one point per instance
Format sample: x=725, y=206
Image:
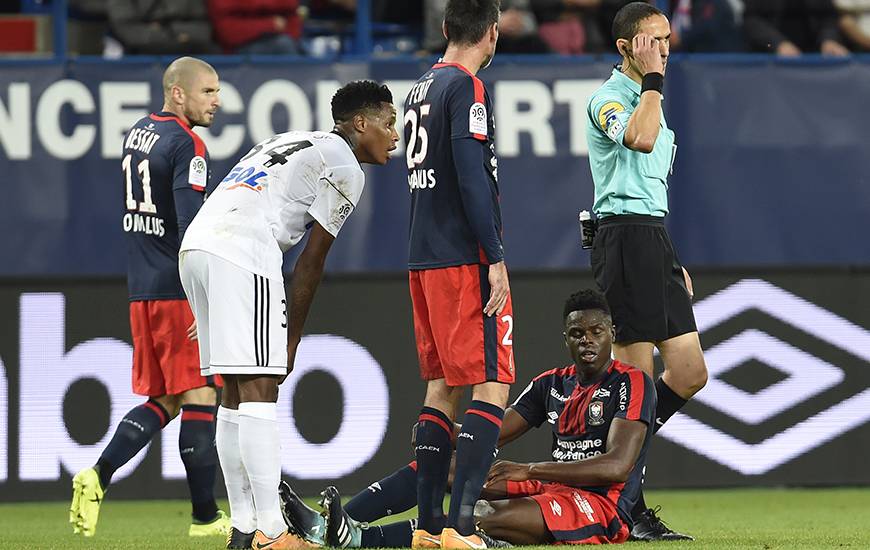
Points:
x=165, y=175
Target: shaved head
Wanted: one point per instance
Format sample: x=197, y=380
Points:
x=190, y=90
x=182, y=72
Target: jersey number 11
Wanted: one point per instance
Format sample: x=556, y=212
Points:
x=144, y=172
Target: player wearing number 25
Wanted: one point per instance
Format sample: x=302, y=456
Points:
x=463, y=318
x=165, y=172
x=231, y=267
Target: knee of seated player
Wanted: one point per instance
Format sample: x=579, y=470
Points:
x=489, y=518
x=494, y=491
x=518, y=521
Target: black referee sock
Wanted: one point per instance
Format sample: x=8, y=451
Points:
x=667, y=403
x=394, y=494
x=134, y=431
x=434, y=450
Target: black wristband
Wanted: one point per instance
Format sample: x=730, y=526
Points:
x=652, y=81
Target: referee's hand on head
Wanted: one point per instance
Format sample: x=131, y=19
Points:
x=646, y=53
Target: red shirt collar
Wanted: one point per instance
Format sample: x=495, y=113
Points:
x=457, y=65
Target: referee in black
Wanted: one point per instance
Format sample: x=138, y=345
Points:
x=631, y=153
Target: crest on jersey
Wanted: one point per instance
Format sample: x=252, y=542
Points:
x=596, y=413
x=477, y=119
x=197, y=172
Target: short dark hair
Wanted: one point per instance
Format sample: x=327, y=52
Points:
x=628, y=19
x=357, y=96
x=466, y=21
x=585, y=299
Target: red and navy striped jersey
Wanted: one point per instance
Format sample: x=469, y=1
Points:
x=581, y=416
x=452, y=171
x=164, y=171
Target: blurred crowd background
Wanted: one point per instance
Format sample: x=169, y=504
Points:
x=325, y=28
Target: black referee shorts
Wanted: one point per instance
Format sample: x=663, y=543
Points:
x=637, y=269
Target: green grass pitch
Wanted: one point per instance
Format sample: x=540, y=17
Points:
x=719, y=519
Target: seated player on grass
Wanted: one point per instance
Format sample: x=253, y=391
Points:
x=599, y=410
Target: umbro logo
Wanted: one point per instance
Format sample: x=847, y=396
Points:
x=806, y=377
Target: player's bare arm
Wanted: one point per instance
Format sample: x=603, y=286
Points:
x=624, y=442
x=512, y=427
x=643, y=126
x=646, y=55
x=306, y=278
x=477, y=197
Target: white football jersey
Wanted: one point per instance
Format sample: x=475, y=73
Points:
x=273, y=195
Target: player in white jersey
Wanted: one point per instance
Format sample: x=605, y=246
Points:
x=230, y=264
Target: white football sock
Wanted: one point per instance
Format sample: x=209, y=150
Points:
x=235, y=478
x=261, y=453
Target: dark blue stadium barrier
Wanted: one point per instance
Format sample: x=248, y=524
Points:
x=771, y=168
x=787, y=403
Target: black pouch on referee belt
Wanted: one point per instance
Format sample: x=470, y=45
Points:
x=588, y=228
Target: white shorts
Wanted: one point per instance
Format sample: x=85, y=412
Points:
x=241, y=318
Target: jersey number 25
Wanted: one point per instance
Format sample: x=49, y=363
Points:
x=419, y=138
